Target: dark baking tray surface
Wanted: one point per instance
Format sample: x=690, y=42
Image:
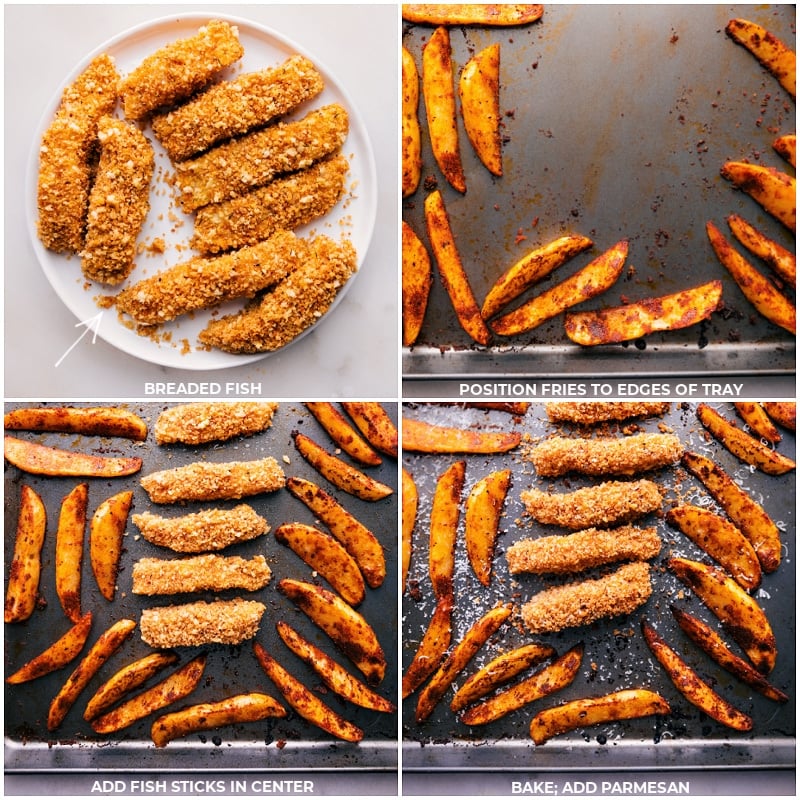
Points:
x=617, y=121
x=285, y=744
x=615, y=656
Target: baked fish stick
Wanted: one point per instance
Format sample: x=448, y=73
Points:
x=200, y=423
x=207, y=572
x=590, y=413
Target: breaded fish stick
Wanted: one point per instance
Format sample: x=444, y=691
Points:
x=623, y=456
x=584, y=602
x=234, y=107
x=206, y=282
x=594, y=413
x=65, y=155
x=576, y=552
x=285, y=203
x=214, y=481
x=237, y=167
x=119, y=201
x=206, y=572
x=294, y=305
x=606, y=504
x=212, y=529
x=201, y=623
x=180, y=68
x=199, y=423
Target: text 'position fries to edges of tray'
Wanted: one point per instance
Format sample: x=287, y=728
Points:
x=153, y=582
x=549, y=572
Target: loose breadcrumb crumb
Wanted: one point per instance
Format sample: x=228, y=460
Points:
x=198, y=423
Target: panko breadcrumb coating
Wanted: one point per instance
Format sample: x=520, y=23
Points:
x=180, y=68
x=576, y=552
x=291, y=307
x=237, y=167
x=205, y=572
x=284, y=204
x=584, y=602
x=66, y=154
x=201, y=283
x=234, y=107
x=201, y=531
x=119, y=201
x=201, y=623
x=594, y=413
x=204, y=480
x=628, y=455
x=198, y=423
x=606, y=504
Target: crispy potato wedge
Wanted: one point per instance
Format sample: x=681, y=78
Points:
x=326, y=556
x=498, y=671
x=58, y=655
x=40, y=459
x=736, y=610
x=708, y=640
x=623, y=323
x=411, y=138
x=586, y=711
x=375, y=424
x=176, y=686
x=425, y=437
x=305, y=702
x=126, y=680
x=482, y=521
x=691, y=686
x=552, y=678
x=445, y=511
x=343, y=433
x=248, y=707
x=517, y=409
x=432, y=648
x=451, y=270
x=786, y=147
x=782, y=261
x=759, y=422
x=22, y=591
x=479, y=92
x=766, y=299
x=594, y=279
x=499, y=14
x=773, y=190
x=335, y=677
x=784, y=413
x=770, y=51
x=530, y=269
x=721, y=540
x=417, y=277
x=348, y=629
x=69, y=550
x=751, y=519
x=338, y=472
x=438, y=93
x=410, y=503
x=356, y=538
x=97, y=421
x=107, y=644
x=744, y=446
x=105, y=540
x=462, y=653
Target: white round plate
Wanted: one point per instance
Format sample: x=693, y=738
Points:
x=176, y=344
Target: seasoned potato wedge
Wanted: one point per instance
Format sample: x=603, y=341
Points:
x=501, y=14
x=249, y=707
x=773, y=190
x=623, y=323
x=482, y=520
x=784, y=413
x=479, y=92
x=594, y=279
x=691, y=686
x=105, y=540
x=410, y=130
x=96, y=421
x=581, y=713
x=782, y=261
x=40, y=459
x=530, y=269
x=758, y=421
x=425, y=437
x=22, y=591
x=432, y=648
x=375, y=424
x=735, y=609
x=417, y=279
x=69, y=550
x=410, y=502
x=786, y=147
x=343, y=433
x=445, y=512
x=770, y=51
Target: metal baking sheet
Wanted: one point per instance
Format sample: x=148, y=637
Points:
x=616, y=121
x=281, y=744
x=615, y=656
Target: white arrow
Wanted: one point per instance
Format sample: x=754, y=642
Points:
x=92, y=324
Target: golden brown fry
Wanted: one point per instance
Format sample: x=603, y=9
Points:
x=375, y=424
x=622, y=704
x=343, y=433
x=432, y=648
x=410, y=503
x=444, y=529
x=39, y=459
x=410, y=134
x=758, y=421
x=770, y=51
x=623, y=323
x=479, y=92
x=22, y=590
x=96, y=421
x=482, y=520
x=58, y=655
x=417, y=281
x=501, y=14
x=786, y=147
x=69, y=550
x=782, y=261
x=424, y=437
x=105, y=540
x=773, y=190
x=691, y=686
x=784, y=413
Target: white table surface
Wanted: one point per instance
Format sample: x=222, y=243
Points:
x=354, y=353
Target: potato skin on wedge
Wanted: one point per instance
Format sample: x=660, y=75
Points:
x=770, y=51
x=410, y=131
x=95, y=421
x=40, y=459
x=497, y=14
x=482, y=519
x=773, y=190
x=432, y=648
x=417, y=278
x=425, y=437
x=105, y=540
x=26, y=563
x=782, y=261
x=479, y=92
